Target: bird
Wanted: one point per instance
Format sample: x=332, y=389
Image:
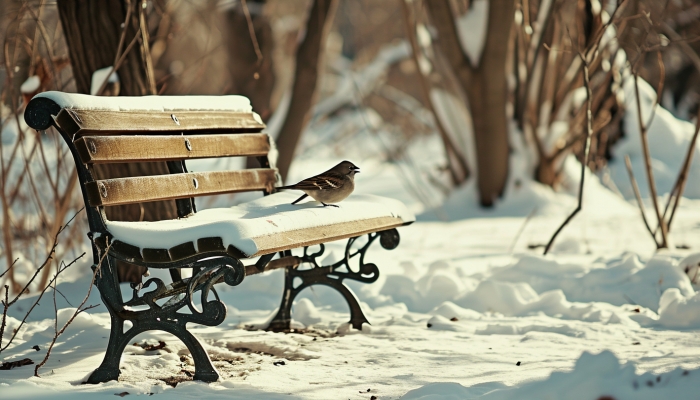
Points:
x=332, y=186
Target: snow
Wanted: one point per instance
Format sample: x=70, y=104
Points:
x=99, y=76
x=668, y=138
x=487, y=310
x=595, y=376
x=458, y=123
x=677, y=310
x=472, y=28
x=149, y=103
x=31, y=85
x=244, y=225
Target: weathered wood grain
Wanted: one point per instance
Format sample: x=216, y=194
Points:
x=121, y=149
x=81, y=122
x=110, y=192
x=321, y=234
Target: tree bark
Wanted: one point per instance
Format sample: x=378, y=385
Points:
x=485, y=87
x=93, y=30
x=308, y=63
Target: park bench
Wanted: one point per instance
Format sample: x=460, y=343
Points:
x=212, y=243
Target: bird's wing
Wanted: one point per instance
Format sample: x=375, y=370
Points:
x=325, y=181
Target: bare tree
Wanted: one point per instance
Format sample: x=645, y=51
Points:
x=485, y=87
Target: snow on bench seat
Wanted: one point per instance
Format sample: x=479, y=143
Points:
x=269, y=224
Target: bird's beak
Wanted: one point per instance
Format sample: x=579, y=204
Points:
x=356, y=170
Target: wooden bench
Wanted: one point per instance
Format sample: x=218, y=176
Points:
x=213, y=243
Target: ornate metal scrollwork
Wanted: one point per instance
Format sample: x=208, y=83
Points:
x=333, y=276
x=167, y=317
x=182, y=294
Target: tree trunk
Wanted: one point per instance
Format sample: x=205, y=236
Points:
x=485, y=87
x=308, y=64
x=93, y=30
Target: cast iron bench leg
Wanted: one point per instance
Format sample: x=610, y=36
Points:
x=106, y=281
x=316, y=276
x=333, y=276
x=118, y=340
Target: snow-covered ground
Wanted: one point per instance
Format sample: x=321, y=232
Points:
x=465, y=308
x=455, y=312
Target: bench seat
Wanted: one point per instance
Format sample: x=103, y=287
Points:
x=269, y=224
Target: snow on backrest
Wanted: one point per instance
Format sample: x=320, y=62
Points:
x=233, y=103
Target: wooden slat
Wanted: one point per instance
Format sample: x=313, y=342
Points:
x=110, y=192
x=120, y=149
x=81, y=122
x=321, y=234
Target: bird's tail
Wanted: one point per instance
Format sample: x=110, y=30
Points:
x=300, y=199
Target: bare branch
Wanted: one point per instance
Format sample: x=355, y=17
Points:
x=647, y=164
x=586, y=150
x=458, y=176
x=251, y=31
x=683, y=174
x=119, y=54
x=77, y=311
x=638, y=196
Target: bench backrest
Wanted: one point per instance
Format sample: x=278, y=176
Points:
x=102, y=130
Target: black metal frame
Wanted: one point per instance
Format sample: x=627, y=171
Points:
x=208, y=268
x=166, y=317
x=332, y=276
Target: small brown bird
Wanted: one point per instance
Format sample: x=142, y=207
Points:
x=332, y=186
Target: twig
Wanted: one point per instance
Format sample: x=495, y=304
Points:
x=62, y=203
x=4, y=171
x=521, y=230
x=251, y=31
x=9, y=303
x=9, y=268
x=585, y=60
x=685, y=47
x=586, y=149
x=36, y=302
x=647, y=164
x=45, y=36
x=638, y=196
x=146, y=49
x=450, y=147
x=35, y=40
x=20, y=179
x=96, y=270
x=683, y=174
x=118, y=54
x=70, y=320
x=695, y=59
x=4, y=313
x=660, y=87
